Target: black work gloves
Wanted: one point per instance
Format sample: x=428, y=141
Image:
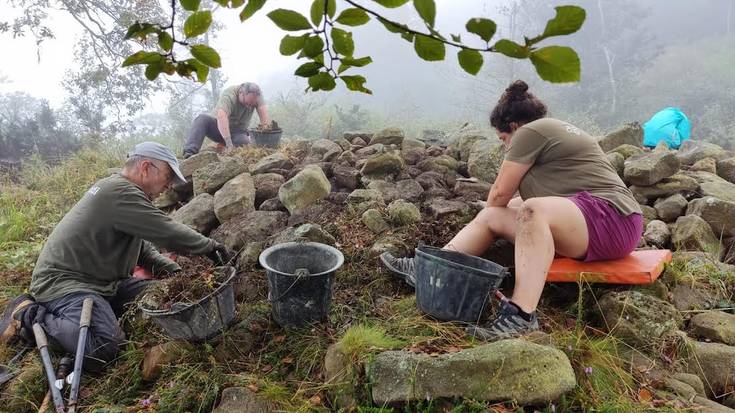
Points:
x=220, y=254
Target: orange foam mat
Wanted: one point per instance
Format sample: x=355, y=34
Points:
x=640, y=267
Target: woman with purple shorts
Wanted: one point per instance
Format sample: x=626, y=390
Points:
x=572, y=203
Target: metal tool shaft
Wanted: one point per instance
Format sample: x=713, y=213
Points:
x=42, y=344
x=84, y=322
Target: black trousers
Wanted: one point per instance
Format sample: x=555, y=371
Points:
x=205, y=126
x=104, y=336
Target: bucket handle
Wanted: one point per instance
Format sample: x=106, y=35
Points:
x=299, y=273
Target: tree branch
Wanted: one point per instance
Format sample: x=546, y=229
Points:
x=407, y=29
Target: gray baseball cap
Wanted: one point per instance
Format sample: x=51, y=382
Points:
x=155, y=150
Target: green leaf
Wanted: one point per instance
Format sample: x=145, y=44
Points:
x=456, y=38
x=568, y=20
x=142, y=58
x=428, y=48
x=251, y=8
x=165, y=41
x=359, y=62
x=197, y=23
x=292, y=44
x=407, y=37
x=313, y=46
x=289, y=20
x=557, y=64
x=206, y=55
x=427, y=10
x=235, y=4
x=356, y=83
x=184, y=69
x=223, y=3
x=485, y=28
x=342, y=42
x=511, y=49
x=140, y=30
x=392, y=27
x=201, y=69
x=317, y=11
x=348, y=62
x=308, y=69
x=391, y=4
x=190, y=5
x=353, y=17
x=470, y=60
x=322, y=81
x=153, y=70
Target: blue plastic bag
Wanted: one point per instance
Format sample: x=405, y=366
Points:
x=670, y=125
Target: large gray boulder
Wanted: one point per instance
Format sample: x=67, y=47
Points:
x=692, y=233
x=712, y=185
x=369, y=151
x=321, y=147
x=266, y=186
x=235, y=197
x=211, y=177
x=631, y=134
x=719, y=214
x=306, y=188
x=657, y=233
x=508, y=370
x=638, y=319
x=462, y=141
x=304, y=233
x=198, y=213
x=403, y=213
x=484, y=160
x=476, y=190
x=440, y=208
x=714, y=363
x=407, y=189
x=705, y=165
x=627, y=150
x=677, y=183
x=726, y=169
x=346, y=177
x=244, y=400
x=383, y=166
x=389, y=136
x=670, y=208
x=692, y=151
x=249, y=227
x=270, y=163
x=374, y=221
x=194, y=162
x=617, y=161
x=717, y=326
x=649, y=168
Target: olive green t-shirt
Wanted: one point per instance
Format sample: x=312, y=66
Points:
x=100, y=240
x=239, y=115
x=566, y=160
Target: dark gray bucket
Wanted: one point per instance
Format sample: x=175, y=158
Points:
x=269, y=139
x=300, y=279
x=452, y=286
x=202, y=320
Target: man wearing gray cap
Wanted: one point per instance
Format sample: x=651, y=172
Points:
x=92, y=252
x=228, y=122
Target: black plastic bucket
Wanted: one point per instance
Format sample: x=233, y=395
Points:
x=300, y=279
x=269, y=139
x=203, y=319
x=452, y=286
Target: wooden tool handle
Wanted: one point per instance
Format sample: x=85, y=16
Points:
x=40, y=335
x=86, y=312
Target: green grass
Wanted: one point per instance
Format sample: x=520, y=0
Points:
x=361, y=340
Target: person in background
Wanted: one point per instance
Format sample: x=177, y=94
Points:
x=229, y=121
x=572, y=203
x=92, y=252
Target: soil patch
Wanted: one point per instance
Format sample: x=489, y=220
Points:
x=196, y=280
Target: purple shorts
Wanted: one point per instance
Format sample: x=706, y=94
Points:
x=611, y=235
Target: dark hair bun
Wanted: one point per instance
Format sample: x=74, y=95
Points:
x=517, y=89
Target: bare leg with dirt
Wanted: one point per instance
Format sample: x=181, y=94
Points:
x=544, y=226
